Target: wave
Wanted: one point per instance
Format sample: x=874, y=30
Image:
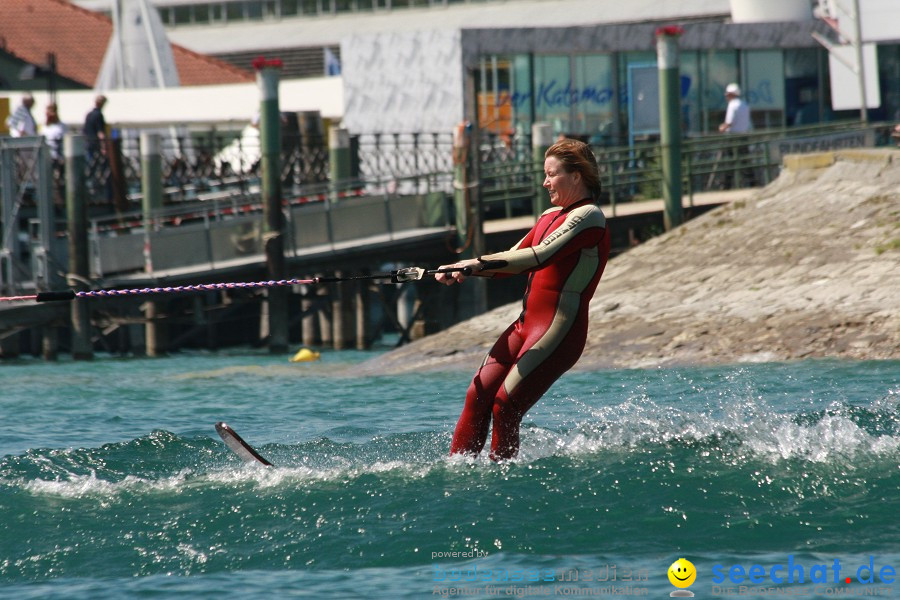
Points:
x=841, y=433
x=634, y=476
x=633, y=432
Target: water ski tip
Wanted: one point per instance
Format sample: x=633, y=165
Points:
x=237, y=444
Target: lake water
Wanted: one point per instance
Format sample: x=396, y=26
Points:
x=113, y=482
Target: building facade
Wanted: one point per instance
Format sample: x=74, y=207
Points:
x=591, y=81
x=587, y=67
x=593, y=84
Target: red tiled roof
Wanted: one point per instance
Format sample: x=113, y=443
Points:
x=30, y=29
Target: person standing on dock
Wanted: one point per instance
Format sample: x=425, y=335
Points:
x=564, y=255
x=94, y=131
x=21, y=122
x=737, y=121
x=737, y=112
x=95, y=128
x=54, y=132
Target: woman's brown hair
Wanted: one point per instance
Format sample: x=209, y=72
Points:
x=574, y=156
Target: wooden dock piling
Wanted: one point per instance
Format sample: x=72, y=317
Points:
x=79, y=270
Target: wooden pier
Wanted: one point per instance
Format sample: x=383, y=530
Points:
x=342, y=315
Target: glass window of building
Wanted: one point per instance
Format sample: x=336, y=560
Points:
x=636, y=69
x=592, y=99
x=691, y=96
x=254, y=9
x=763, y=86
x=506, y=96
x=183, y=15
x=888, y=68
x=802, y=86
x=521, y=98
x=720, y=68
x=234, y=11
x=494, y=106
x=201, y=13
x=309, y=7
x=551, y=89
x=289, y=8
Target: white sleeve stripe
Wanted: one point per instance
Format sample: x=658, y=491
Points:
x=521, y=260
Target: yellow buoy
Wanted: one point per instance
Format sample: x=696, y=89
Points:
x=305, y=355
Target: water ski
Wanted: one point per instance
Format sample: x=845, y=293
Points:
x=239, y=446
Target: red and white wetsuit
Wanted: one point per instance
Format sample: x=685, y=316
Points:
x=564, y=254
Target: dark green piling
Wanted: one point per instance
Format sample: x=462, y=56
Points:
x=151, y=203
x=77, y=224
x=668, y=63
x=273, y=232
x=541, y=140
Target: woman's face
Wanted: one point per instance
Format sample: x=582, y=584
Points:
x=565, y=188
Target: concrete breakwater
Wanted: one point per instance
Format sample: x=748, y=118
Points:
x=808, y=266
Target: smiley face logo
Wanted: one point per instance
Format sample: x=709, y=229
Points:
x=682, y=573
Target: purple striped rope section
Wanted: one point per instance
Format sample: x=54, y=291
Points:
x=191, y=288
x=63, y=295
x=399, y=276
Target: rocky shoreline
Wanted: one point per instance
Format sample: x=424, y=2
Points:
x=806, y=267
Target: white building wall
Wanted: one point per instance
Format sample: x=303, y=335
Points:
x=880, y=18
x=402, y=82
x=232, y=104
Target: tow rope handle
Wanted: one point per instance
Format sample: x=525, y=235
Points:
x=417, y=273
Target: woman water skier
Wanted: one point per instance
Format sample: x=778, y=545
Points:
x=564, y=255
